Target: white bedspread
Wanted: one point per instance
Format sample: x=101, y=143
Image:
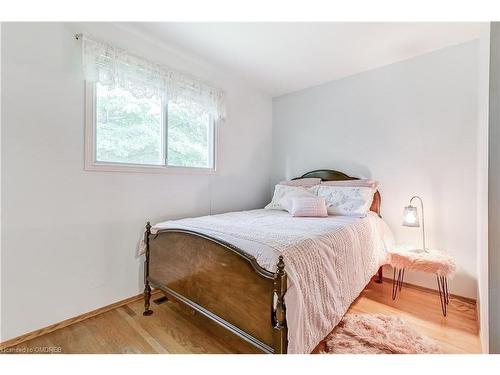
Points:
x=328, y=260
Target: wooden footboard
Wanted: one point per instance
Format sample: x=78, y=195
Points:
x=221, y=282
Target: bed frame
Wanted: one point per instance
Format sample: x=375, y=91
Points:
x=224, y=283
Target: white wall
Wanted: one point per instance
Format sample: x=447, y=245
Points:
x=69, y=236
x=411, y=125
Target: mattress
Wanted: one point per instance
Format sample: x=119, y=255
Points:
x=328, y=260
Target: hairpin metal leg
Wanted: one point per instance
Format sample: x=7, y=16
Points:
x=397, y=282
x=394, y=283
x=443, y=293
x=401, y=279
x=446, y=290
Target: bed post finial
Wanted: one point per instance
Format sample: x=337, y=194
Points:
x=147, y=287
x=281, y=264
x=280, y=330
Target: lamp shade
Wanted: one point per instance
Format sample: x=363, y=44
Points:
x=410, y=217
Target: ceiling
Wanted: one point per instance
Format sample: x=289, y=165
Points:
x=279, y=58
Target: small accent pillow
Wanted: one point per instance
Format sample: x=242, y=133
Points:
x=286, y=201
x=303, y=182
x=309, y=207
x=363, y=182
x=280, y=191
x=347, y=200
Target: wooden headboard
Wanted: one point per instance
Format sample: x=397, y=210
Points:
x=331, y=175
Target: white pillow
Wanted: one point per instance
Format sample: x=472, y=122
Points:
x=309, y=206
x=286, y=201
x=280, y=191
x=347, y=200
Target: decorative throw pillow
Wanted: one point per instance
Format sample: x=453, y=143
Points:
x=280, y=191
x=303, y=182
x=363, y=182
x=286, y=201
x=309, y=206
x=347, y=200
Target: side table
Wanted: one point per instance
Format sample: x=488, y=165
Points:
x=431, y=261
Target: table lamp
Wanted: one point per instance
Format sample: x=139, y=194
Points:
x=410, y=217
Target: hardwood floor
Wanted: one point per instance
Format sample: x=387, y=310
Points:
x=173, y=329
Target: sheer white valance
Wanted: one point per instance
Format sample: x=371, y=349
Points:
x=114, y=67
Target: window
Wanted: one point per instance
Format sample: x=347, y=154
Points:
x=142, y=115
x=129, y=133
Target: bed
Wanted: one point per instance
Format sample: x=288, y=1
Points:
x=281, y=283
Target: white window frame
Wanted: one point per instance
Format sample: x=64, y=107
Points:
x=91, y=164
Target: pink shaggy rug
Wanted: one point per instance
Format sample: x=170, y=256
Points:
x=376, y=334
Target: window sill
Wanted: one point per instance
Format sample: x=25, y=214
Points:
x=154, y=169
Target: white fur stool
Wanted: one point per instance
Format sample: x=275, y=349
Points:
x=432, y=261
